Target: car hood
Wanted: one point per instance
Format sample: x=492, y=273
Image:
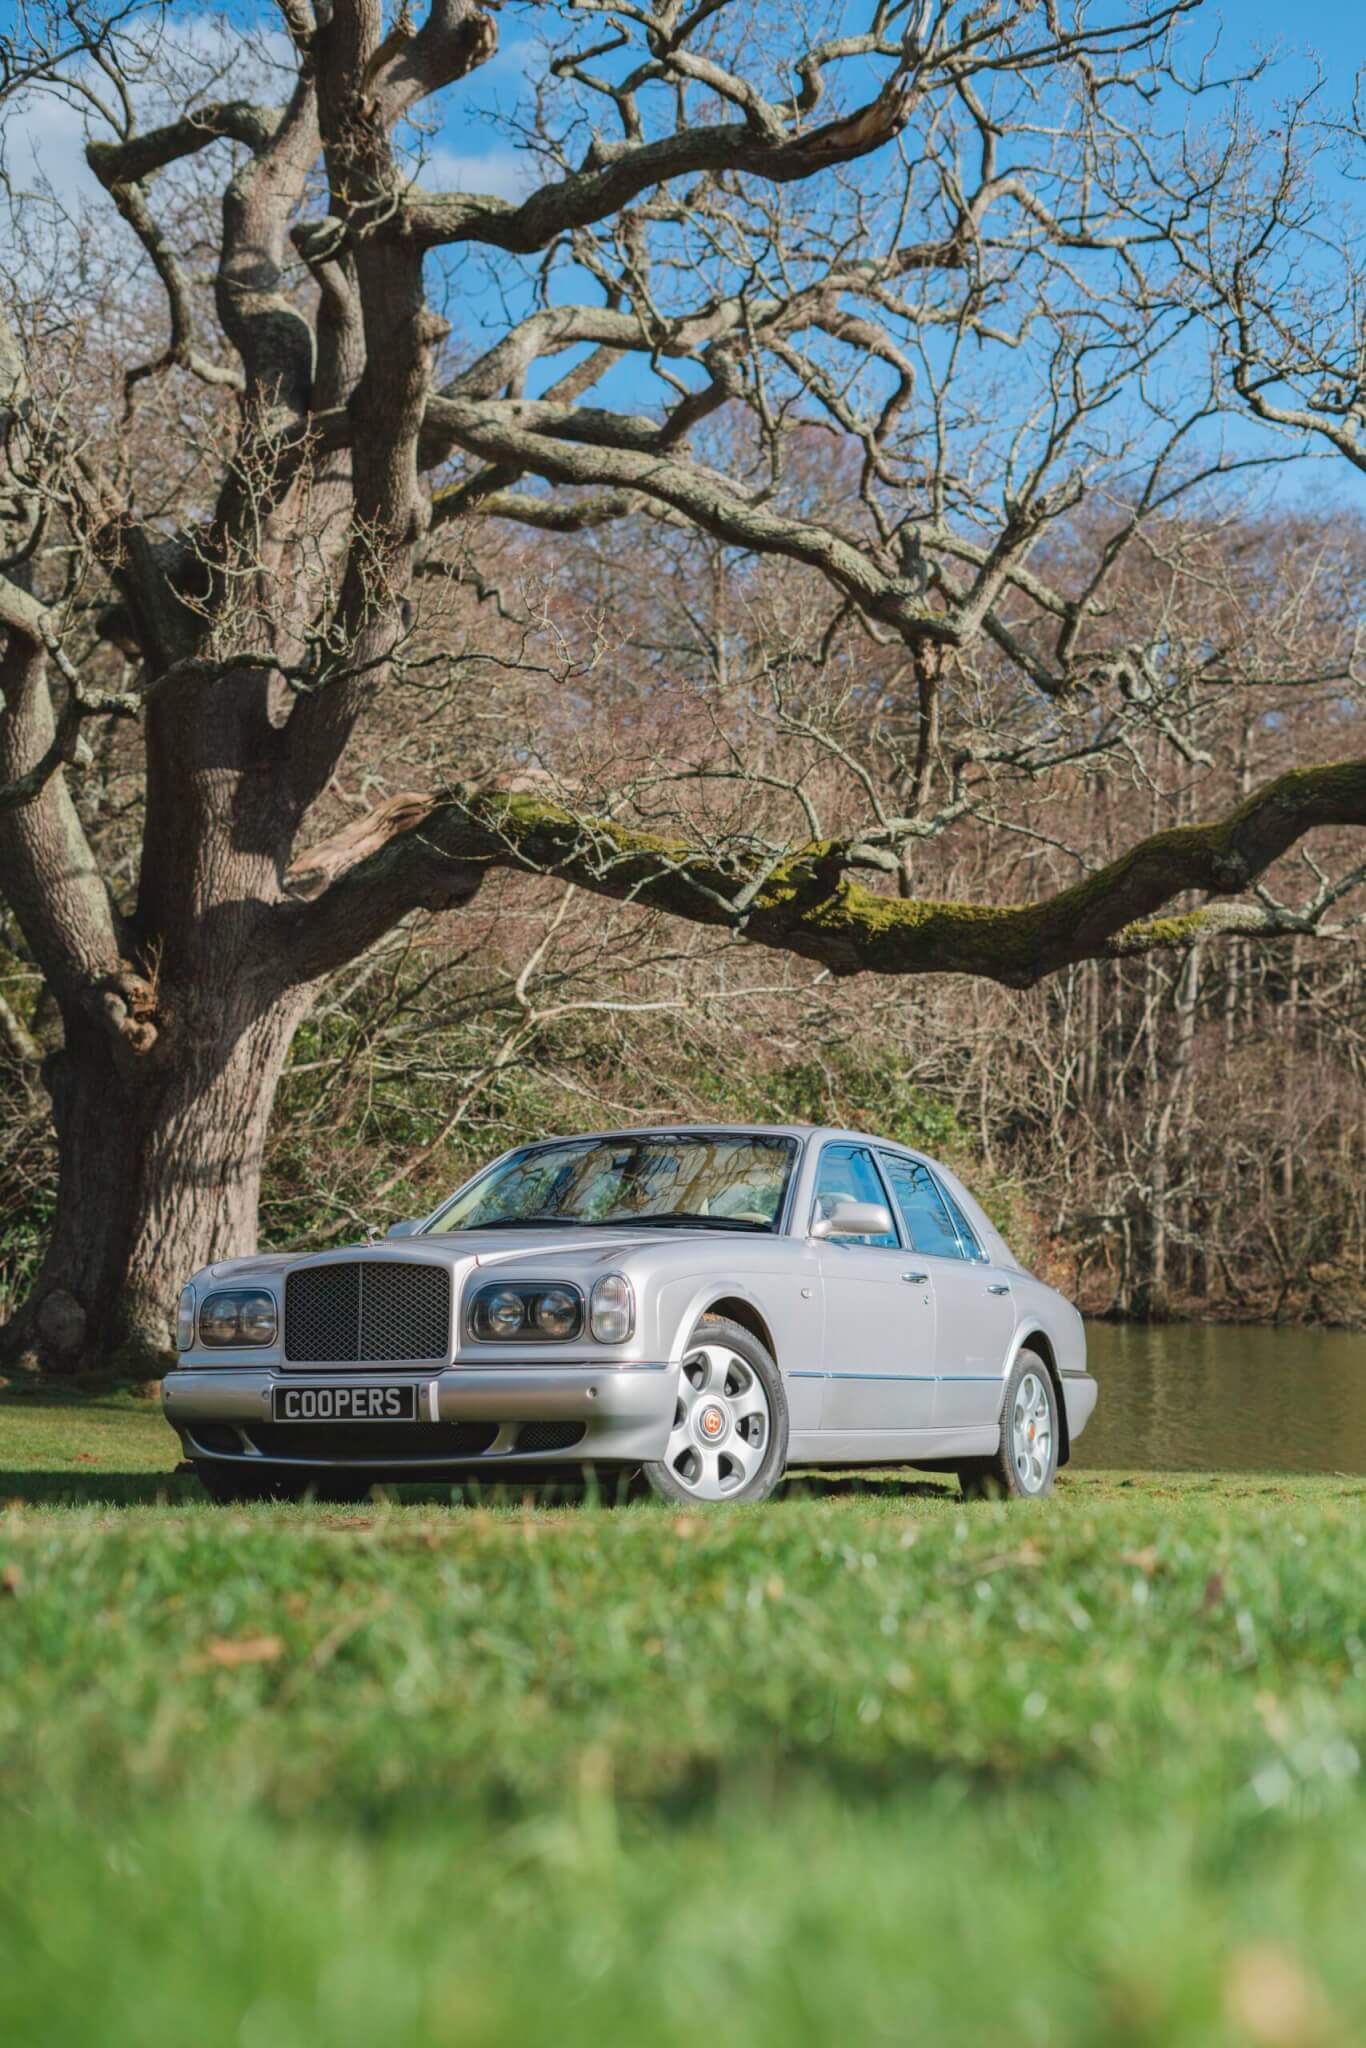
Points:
x=473, y=1247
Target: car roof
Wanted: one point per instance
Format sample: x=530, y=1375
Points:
x=798, y=1131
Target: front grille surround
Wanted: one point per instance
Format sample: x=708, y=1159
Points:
x=368, y=1312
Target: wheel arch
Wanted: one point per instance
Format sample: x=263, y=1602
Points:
x=738, y=1308
x=1038, y=1341
x=716, y=1294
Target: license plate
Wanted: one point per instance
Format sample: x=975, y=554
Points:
x=346, y=1404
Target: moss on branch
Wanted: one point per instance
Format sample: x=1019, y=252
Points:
x=809, y=903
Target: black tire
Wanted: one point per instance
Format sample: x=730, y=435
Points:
x=1006, y=1477
x=667, y=1478
x=232, y=1484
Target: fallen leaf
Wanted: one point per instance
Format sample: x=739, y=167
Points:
x=1269, y=1996
x=1273, y=1716
x=1144, y=1560
x=11, y=1579
x=229, y=1651
x=684, y=1526
x=1214, y=1592
x=1028, y=1557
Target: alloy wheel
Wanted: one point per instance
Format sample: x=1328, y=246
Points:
x=722, y=1423
x=1032, y=1434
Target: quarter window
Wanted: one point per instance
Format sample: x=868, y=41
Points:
x=971, y=1248
x=848, y=1173
x=928, y=1223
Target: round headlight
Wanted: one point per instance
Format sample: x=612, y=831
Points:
x=219, y=1320
x=256, y=1318
x=612, y=1309
x=504, y=1313
x=184, y=1319
x=557, y=1312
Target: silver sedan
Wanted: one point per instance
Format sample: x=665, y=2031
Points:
x=706, y=1305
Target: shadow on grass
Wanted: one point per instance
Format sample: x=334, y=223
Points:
x=96, y=1489
x=869, y=1486
x=50, y=1489
x=79, y=1395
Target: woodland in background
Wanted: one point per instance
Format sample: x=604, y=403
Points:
x=1179, y=1135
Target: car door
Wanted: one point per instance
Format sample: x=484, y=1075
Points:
x=974, y=1308
x=879, y=1311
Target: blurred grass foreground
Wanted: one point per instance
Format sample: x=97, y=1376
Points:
x=862, y=1765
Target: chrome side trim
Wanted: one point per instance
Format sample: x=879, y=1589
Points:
x=920, y=1379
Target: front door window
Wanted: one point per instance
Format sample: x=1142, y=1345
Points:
x=848, y=1173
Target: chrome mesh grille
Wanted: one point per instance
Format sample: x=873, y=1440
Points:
x=550, y=1436
x=367, y=1312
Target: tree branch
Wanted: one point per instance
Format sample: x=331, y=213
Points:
x=617, y=173
x=508, y=433
x=415, y=850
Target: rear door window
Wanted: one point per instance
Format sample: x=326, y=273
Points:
x=928, y=1223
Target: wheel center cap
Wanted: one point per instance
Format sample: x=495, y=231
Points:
x=712, y=1423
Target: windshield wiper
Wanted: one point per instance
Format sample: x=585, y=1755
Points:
x=684, y=1216
x=529, y=1223
x=688, y=1216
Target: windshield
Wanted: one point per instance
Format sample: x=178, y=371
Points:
x=715, y=1180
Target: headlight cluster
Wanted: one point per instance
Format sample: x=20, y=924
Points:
x=538, y=1314
x=612, y=1309
x=184, y=1319
x=552, y=1312
x=239, y=1317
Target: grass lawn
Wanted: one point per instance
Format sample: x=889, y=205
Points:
x=863, y=1765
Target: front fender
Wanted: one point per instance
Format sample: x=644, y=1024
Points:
x=682, y=1306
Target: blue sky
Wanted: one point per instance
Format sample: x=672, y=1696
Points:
x=467, y=150
x=470, y=150
x=1334, y=30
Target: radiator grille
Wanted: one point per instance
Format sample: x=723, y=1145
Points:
x=368, y=1312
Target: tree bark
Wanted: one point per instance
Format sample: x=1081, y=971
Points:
x=160, y=1171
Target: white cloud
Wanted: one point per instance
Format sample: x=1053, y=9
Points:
x=201, y=53
x=194, y=54
x=503, y=172
x=42, y=147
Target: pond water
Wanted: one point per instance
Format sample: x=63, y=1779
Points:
x=1211, y=1397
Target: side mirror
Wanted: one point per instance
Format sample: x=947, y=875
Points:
x=846, y=1218
x=404, y=1229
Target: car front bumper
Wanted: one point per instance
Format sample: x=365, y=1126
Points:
x=625, y=1414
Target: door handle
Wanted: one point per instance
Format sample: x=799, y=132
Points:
x=998, y=1287
x=916, y=1279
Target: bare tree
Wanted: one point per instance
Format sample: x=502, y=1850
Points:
x=937, y=239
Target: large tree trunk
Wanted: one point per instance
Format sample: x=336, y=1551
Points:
x=160, y=1172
